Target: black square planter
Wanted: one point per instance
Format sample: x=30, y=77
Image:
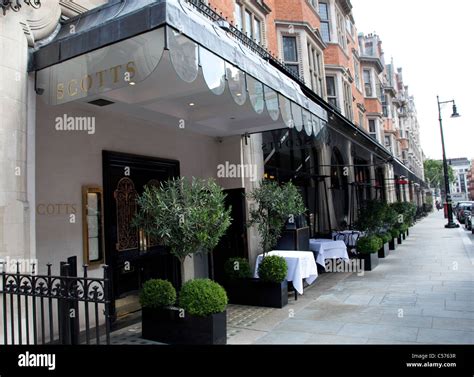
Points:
x=384, y=250
x=404, y=236
x=370, y=260
x=408, y=232
x=172, y=327
x=399, y=239
x=255, y=292
x=392, y=245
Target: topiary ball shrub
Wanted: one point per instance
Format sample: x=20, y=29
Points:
x=157, y=293
x=237, y=268
x=395, y=233
x=386, y=237
x=273, y=269
x=202, y=297
x=369, y=244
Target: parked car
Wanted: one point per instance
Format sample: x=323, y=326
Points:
x=469, y=219
x=458, y=206
x=461, y=213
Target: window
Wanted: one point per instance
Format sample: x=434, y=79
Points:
x=257, y=28
x=361, y=119
x=369, y=49
x=315, y=69
x=373, y=129
x=331, y=90
x=290, y=54
x=238, y=16
x=324, y=14
x=388, y=142
x=368, y=83
x=347, y=101
x=357, y=73
x=341, y=31
x=385, y=107
x=247, y=22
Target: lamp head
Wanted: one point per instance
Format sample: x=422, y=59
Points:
x=455, y=112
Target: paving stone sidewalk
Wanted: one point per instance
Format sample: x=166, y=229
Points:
x=423, y=293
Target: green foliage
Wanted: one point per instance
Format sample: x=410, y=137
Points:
x=386, y=237
x=157, y=293
x=434, y=173
x=274, y=205
x=237, y=268
x=202, y=297
x=188, y=216
x=273, y=269
x=369, y=244
x=371, y=216
x=403, y=228
x=395, y=232
x=406, y=213
x=391, y=216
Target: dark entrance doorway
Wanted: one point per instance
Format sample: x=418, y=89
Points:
x=133, y=256
x=234, y=242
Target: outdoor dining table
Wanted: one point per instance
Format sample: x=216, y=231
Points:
x=327, y=249
x=301, y=265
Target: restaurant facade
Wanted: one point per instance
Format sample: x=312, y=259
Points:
x=97, y=106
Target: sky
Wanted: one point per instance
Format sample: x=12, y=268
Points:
x=433, y=41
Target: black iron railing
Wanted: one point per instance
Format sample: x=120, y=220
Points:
x=50, y=309
x=213, y=15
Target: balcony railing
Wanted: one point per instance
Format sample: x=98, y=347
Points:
x=218, y=18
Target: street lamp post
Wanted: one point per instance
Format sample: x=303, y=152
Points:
x=451, y=223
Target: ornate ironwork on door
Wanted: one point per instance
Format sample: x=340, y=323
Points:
x=126, y=200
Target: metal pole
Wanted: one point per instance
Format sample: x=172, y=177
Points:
x=450, y=223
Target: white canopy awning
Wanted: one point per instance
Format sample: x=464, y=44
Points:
x=189, y=71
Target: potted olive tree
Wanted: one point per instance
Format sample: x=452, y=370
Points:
x=367, y=248
x=275, y=204
x=372, y=220
x=200, y=317
x=189, y=216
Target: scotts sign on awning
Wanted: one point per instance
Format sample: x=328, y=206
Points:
x=192, y=71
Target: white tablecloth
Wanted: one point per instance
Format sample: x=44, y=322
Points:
x=301, y=265
x=327, y=249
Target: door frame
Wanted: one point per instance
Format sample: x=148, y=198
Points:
x=118, y=159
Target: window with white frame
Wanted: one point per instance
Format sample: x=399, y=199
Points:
x=368, y=83
x=356, y=72
x=290, y=53
x=341, y=30
x=331, y=90
x=248, y=22
x=324, y=15
x=373, y=128
x=347, y=100
x=315, y=60
x=361, y=119
x=388, y=142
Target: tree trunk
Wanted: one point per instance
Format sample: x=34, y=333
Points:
x=211, y=272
